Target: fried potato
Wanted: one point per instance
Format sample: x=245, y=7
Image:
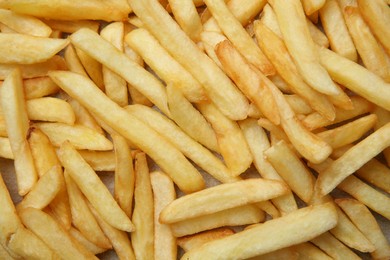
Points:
x=4, y=254
x=5, y=148
x=187, y=17
x=333, y=247
x=197, y=240
x=39, y=87
x=92, y=67
x=375, y=173
x=309, y=251
x=72, y=25
x=73, y=61
x=76, y=235
x=311, y=6
x=100, y=160
x=210, y=40
x=50, y=109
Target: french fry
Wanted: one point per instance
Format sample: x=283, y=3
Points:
x=167, y=68
x=247, y=80
x=377, y=15
x=286, y=68
x=365, y=221
x=284, y=253
x=53, y=235
x=163, y=193
x=111, y=57
x=298, y=104
x=24, y=24
x=80, y=136
x=82, y=217
x=318, y=36
x=383, y=118
x=124, y=174
x=25, y=49
x=311, y=6
x=39, y=87
x=210, y=41
x=93, y=188
x=64, y=10
x=197, y=240
x=232, y=144
x=237, y=216
x=298, y=226
x=333, y=247
x=5, y=148
x=142, y=238
x=375, y=173
x=221, y=197
x=277, y=132
x=72, y=26
x=100, y=160
x=114, y=85
x=4, y=254
x=171, y=160
x=190, y=120
x=232, y=103
x=234, y=31
x=371, y=52
x=356, y=78
x=50, y=109
x=269, y=208
x=72, y=60
x=92, y=67
x=336, y=30
x=309, y=251
x=352, y=160
x=80, y=238
x=17, y=125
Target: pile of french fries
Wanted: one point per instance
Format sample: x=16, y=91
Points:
x=174, y=101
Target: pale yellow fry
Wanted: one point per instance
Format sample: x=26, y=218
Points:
x=196, y=240
x=246, y=78
x=119, y=239
x=333, y=247
x=80, y=136
x=53, y=235
x=311, y=6
x=44, y=191
x=72, y=26
x=163, y=193
x=112, y=58
x=93, y=188
x=365, y=221
x=308, y=251
x=33, y=70
x=356, y=78
x=166, y=67
x=370, y=50
x=124, y=174
x=162, y=152
x=258, y=142
x=377, y=14
x=187, y=17
x=376, y=173
x=80, y=238
x=298, y=104
x=294, y=228
x=24, y=24
x=5, y=29
x=17, y=125
x=336, y=30
x=115, y=86
x=277, y=52
x=82, y=217
x=284, y=253
x=72, y=60
x=4, y=254
x=65, y=10
x=291, y=169
x=92, y=66
x=28, y=246
x=352, y=160
x=222, y=197
x=232, y=103
x=348, y=133
x=383, y=118
x=190, y=120
x=26, y=49
x=39, y=87
x=234, y=31
x=5, y=148
x=298, y=41
x=142, y=238
x=318, y=36
x=100, y=160
x=277, y=132
x=232, y=144
x=269, y=208
x=237, y=216
x=50, y=109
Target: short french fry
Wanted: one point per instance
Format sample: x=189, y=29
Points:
x=187, y=17
x=163, y=193
x=221, y=197
x=93, y=188
x=142, y=238
x=333, y=247
x=17, y=125
x=197, y=240
x=80, y=238
x=39, y=87
x=50, y=109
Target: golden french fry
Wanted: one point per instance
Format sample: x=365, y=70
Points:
x=80, y=238
x=17, y=125
x=5, y=148
x=163, y=193
x=311, y=6
x=142, y=238
x=82, y=217
x=294, y=228
x=269, y=208
x=50, y=109
x=53, y=235
x=190, y=148
x=25, y=49
x=80, y=136
x=171, y=160
x=92, y=67
x=210, y=41
x=72, y=26
x=221, y=197
x=309, y=251
x=100, y=160
x=284, y=253
x=72, y=60
x=187, y=17
x=24, y=24
x=375, y=173
x=190, y=120
x=383, y=118
x=39, y=87
x=298, y=104
x=237, y=216
x=336, y=30
x=197, y=240
x=65, y=10
x=365, y=221
x=93, y=188
x=4, y=254
x=167, y=68
x=333, y=247
x=318, y=36
x=114, y=85
x=232, y=103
